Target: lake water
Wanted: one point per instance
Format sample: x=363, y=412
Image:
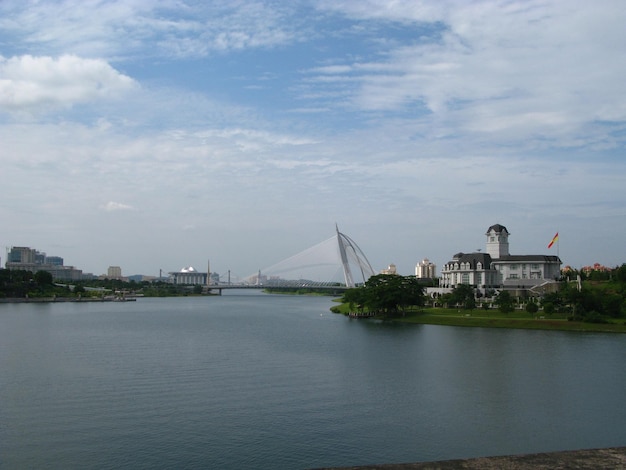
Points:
x=251, y=380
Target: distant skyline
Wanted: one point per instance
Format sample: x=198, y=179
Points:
x=157, y=135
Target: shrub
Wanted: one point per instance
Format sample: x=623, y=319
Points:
x=531, y=307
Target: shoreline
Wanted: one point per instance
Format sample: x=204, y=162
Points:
x=43, y=300
x=585, y=459
x=478, y=319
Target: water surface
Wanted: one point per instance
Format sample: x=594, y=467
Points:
x=252, y=380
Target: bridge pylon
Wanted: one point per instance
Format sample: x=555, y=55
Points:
x=350, y=251
x=339, y=253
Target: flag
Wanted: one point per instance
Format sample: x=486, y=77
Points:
x=556, y=237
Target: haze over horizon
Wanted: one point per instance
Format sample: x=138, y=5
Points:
x=157, y=135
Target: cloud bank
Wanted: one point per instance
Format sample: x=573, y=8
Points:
x=29, y=83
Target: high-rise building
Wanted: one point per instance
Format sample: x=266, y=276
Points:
x=114, y=272
x=54, y=260
x=21, y=254
x=425, y=269
x=29, y=259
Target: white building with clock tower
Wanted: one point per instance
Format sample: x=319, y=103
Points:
x=497, y=269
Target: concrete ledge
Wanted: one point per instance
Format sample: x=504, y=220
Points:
x=591, y=459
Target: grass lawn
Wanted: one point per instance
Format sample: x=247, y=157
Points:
x=497, y=319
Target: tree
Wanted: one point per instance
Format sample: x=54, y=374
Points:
x=532, y=307
x=504, y=301
x=15, y=283
x=43, y=278
x=620, y=273
x=354, y=298
x=79, y=289
x=463, y=294
x=387, y=294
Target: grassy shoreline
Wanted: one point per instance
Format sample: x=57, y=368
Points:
x=496, y=319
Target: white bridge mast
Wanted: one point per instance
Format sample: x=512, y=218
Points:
x=349, y=250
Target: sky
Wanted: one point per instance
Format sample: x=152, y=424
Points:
x=158, y=134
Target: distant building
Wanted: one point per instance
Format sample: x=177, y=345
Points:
x=391, y=269
x=188, y=276
x=54, y=260
x=114, y=272
x=498, y=269
x=596, y=267
x=425, y=269
x=28, y=259
x=22, y=255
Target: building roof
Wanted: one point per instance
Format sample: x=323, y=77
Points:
x=529, y=258
x=473, y=259
x=497, y=228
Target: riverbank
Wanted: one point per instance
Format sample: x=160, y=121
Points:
x=34, y=300
x=491, y=319
x=477, y=318
x=592, y=459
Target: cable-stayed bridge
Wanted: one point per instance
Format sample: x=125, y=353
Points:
x=335, y=263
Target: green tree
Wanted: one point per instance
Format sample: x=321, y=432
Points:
x=551, y=302
x=355, y=298
x=43, y=278
x=504, y=301
x=463, y=294
x=79, y=289
x=15, y=283
x=620, y=273
x=387, y=294
x=612, y=305
x=532, y=307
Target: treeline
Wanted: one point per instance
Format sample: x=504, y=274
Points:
x=594, y=301
x=386, y=295
x=603, y=274
x=22, y=284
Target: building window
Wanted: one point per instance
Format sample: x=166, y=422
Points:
x=514, y=267
x=465, y=278
x=534, y=266
x=513, y=276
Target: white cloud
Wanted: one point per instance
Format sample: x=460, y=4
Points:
x=511, y=69
x=29, y=83
x=112, y=206
x=138, y=28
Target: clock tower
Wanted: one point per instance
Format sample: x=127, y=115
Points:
x=497, y=241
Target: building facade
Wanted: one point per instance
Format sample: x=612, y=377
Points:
x=391, y=269
x=114, y=272
x=425, y=270
x=498, y=269
x=28, y=259
x=188, y=276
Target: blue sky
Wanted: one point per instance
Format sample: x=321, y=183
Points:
x=159, y=134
